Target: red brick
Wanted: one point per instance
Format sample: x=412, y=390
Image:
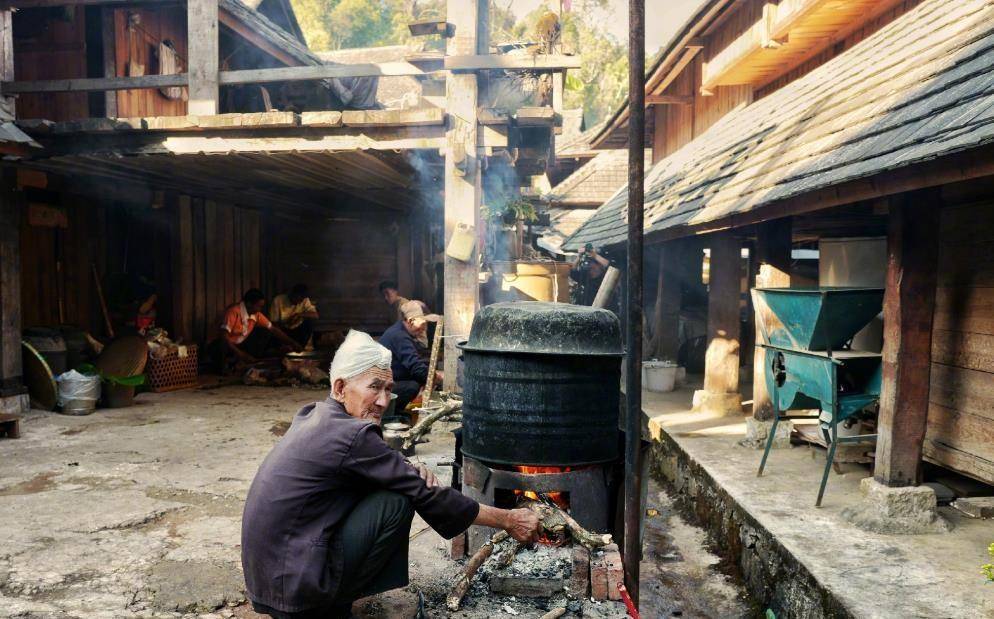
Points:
x=579, y=582
x=457, y=546
x=615, y=571
x=598, y=578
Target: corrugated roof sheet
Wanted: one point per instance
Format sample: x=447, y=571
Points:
x=918, y=89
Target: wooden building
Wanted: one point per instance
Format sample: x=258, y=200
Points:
x=197, y=149
x=780, y=124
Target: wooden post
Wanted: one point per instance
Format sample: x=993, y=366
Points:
x=666, y=317
x=7, y=61
x=773, y=245
x=13, y=395
x=109, y=59
x=909, y=303
x=463, y=182
x=202, y=31
x=721, y=362
x=183, y=287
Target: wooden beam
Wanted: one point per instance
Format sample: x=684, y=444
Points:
x=257, y=39
x=91, y=84
x=202, y=33
x=688, y=56
x=463, y=174
x=183, y=274
x=909, y=305
x=772, y=258
x=43, y=4
x=669, y=99
x=478, y=62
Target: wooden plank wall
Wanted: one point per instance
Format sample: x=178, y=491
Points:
x=51, y=44
x=216, y=253
x=960, y=431
x=58, y=261
x=343, y=261
x=137, y=34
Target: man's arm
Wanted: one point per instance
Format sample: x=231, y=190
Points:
x=286, y=339
x=604, y=262
x=241, y=354
x=521, y=524
x=445, y=509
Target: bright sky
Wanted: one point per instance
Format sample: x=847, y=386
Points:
x=663, y=17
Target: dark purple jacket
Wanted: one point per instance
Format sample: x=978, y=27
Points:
x=307, y=485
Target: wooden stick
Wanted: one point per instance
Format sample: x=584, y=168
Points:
x=556, y=520
x=555, y=613
x=432, y=363
x=411, y=437
x=103, y=302
x=461, y=586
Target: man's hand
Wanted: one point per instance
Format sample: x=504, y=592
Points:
x=425, y=473
x=523, y=525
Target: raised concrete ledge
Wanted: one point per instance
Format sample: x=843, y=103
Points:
x=799, y=560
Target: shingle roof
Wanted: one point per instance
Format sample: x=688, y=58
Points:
x=918, y=89
x=596, y=181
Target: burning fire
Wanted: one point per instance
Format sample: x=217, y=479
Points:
x=556, y=497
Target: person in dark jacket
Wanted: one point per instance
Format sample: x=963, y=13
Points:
x=327, y=518
x=410, y=369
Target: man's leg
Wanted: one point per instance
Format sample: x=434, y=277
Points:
x=375, y=538
x=257, y=342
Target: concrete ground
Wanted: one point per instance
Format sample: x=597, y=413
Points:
x=871, y=575
x=136, y=512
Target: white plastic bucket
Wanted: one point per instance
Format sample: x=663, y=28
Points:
x=659, y=376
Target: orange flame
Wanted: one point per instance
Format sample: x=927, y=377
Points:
x=558, y=498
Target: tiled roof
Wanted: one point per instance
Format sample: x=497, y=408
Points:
x=918, y=89
x=596, y=181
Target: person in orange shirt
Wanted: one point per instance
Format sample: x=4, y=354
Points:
x=239, y=334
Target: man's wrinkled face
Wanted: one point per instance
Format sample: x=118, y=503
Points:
x=366, y=395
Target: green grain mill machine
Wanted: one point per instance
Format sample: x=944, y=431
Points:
x=809, y=363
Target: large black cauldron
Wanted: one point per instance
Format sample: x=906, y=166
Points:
x=541, y=385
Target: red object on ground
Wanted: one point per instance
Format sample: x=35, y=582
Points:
x=627, y=599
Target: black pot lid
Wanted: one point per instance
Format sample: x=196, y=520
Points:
x=545, y=328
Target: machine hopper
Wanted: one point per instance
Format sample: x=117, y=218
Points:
x=816, y=318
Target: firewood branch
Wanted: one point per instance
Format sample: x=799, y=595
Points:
x=555, y=520
x=449, y=408
x=461, y=586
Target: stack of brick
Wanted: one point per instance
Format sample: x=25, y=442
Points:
x=606, y=573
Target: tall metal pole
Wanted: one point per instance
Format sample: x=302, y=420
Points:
x=633, y=307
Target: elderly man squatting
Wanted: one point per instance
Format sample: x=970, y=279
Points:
x=328, y=516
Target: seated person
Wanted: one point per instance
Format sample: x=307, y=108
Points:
x=295, y=314
x=391, y=295
x=328, y=516
x=409, y=366
x=239, y=338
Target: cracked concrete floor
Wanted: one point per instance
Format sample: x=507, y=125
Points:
x=136, y=512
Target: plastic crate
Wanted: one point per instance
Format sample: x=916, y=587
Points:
x=172, y=372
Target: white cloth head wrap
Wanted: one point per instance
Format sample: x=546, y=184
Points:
x=358, y=353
